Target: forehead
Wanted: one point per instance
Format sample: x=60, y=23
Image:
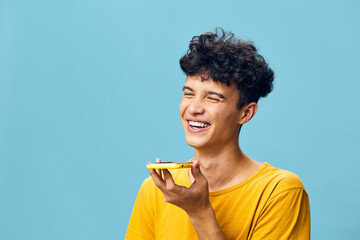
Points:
x=197, y=84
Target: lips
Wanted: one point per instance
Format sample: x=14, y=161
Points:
x=197, y=125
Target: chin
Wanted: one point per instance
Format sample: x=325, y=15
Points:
x=195, y=143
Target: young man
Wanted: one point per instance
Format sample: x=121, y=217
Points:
x=229, y=195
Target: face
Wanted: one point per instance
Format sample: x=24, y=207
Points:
x=209, y=113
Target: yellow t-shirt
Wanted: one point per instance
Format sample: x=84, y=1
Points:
x=270, y=204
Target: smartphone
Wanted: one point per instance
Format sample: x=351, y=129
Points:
x=169, y=165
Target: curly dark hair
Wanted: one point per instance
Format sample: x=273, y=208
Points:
x=227, y=59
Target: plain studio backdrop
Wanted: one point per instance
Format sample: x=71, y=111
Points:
x=89, y=93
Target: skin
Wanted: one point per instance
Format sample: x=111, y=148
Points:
x=223, y=164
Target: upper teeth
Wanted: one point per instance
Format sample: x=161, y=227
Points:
x=198, y=124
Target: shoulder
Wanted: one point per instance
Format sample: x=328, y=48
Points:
x=148, y=183
x=280, y=180
x=284, y=206
x=286, y=178
x=147, y=188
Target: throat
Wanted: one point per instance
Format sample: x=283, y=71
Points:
x=222, y=174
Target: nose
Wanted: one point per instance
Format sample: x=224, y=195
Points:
x=196, y=107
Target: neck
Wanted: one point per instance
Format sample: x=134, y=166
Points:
x=225, y=167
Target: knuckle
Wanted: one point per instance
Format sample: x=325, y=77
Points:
x=167, y=199
x=170, y=187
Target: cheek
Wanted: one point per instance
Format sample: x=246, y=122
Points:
x=227, y=118
x=182, y=108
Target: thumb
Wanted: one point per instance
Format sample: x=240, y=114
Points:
x=196, y=172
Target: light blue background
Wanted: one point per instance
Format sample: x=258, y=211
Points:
x=89, y=92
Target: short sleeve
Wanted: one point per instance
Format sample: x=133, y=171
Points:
x=286, y=216
x=141, y=224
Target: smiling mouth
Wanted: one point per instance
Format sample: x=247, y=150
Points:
x=198, y=125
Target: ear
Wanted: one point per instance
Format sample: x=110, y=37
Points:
x=247, y=112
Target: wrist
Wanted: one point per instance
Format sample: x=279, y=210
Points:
x=202, y=216
x=205, y=224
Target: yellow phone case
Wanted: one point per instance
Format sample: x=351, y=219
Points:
x=169, y=165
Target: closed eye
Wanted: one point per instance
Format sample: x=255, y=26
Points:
x=187, y=94
x=214, y=99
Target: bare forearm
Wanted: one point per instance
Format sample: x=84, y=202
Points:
x=206, y=225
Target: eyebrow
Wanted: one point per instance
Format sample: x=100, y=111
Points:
x=216, y=93
x=188, y=88
x=207, y=92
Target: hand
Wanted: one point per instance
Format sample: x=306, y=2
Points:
x=194, y=200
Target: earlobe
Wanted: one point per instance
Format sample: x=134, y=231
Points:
x=247, y=112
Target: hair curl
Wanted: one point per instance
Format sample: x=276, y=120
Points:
x=224, y=58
